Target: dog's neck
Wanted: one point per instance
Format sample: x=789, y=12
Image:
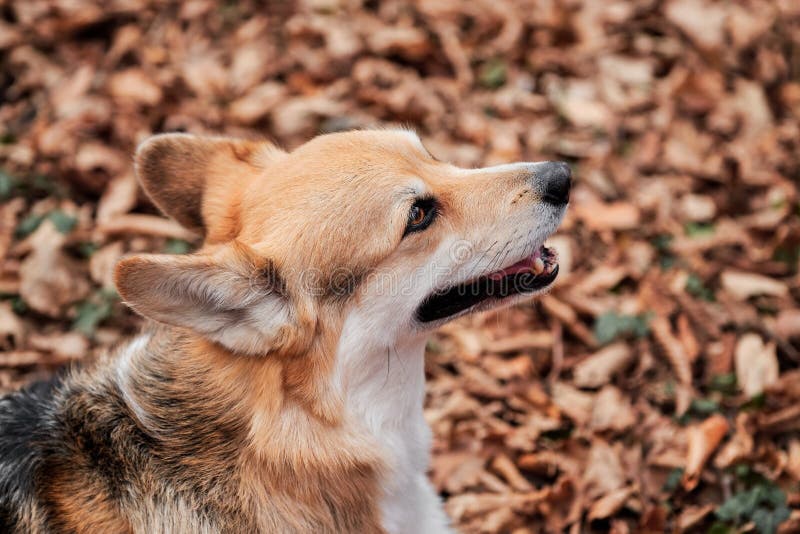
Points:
x=381, y=381
x=383, y=388
x=375, y=384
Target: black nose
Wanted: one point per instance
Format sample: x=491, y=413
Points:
x=555, y=179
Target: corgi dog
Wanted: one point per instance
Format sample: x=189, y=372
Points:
x=279, y=383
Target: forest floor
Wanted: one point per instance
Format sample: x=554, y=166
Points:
x=656, y=388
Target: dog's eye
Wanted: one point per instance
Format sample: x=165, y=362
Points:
x=420, y=215
x=417, y=215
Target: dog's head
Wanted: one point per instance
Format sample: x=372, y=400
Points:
x=360, y=222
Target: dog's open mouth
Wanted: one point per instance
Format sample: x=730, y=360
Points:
x=531, y=274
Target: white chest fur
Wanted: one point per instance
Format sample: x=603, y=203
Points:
x=383, y=386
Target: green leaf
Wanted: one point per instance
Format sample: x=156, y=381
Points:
x=693, y=229
x=768, y=521
x=433, y=346
x=696, y=287
x=673, y=480
x=493, y=74
x=64, y=223
x=94, y=310
x=724, y=383
x=704, y=406
x=755, y=403
x=28, y=225
x=87, y=248
x=612, y=325
x=177, y=246
x=764, y=504
x=720, y=528
x=8, y=185
x=18, y=305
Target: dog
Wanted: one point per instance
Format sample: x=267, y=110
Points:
x=279, y=383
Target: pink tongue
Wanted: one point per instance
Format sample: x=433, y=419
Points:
x=519, y=267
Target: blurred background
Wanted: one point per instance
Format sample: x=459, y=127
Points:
x=655, y=389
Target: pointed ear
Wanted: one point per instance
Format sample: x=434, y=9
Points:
x=193, y=179
x=231, y=296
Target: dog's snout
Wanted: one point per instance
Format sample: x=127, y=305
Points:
x=554, y=179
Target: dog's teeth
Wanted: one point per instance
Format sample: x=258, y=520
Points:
x=537, y=266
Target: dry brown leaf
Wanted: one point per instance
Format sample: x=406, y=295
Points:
x=118, y=198
x=673, y=349
x=471, y=504
x=756, y=364
x=785, y=420
x=703, y=440
x=455, y=472
x=540, y=339
x=9, y=211
x=692, y=516
x=50, y=281
x=69, y=345
x=598, y=216
x=503, y=465
x=19, y=358
x=687, y=338
x=93, y=156
x=151, y=225
x=102, y=263
x=520, y=367
x=603, y=473
x=548, y=463
x=599, y=368
x=576, y=404
x=134, y=86
x=739, y=446
x=742, y=286
x=697, y=207
x=701, y=20
x=12, y=330
x=793, y=460
x=609, y=504
x=258, y=103
x=569, y=318
x=787, y=324
x=612, y=411
x=408, y=42
x=601, y=279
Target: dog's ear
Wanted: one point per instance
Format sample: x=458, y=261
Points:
x=196, y=180
x=230, y=296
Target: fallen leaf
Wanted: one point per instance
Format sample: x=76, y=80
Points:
x=50, y=281
x=742, y=286
x=609, y=504
x=118, y=198
x=702, y=21
x=756, y=364
x=598, y=369
x=133, y=85
x=611, y=411
x=603, y=473
x=673, y=349
x=703, y=441
x=12, y=330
